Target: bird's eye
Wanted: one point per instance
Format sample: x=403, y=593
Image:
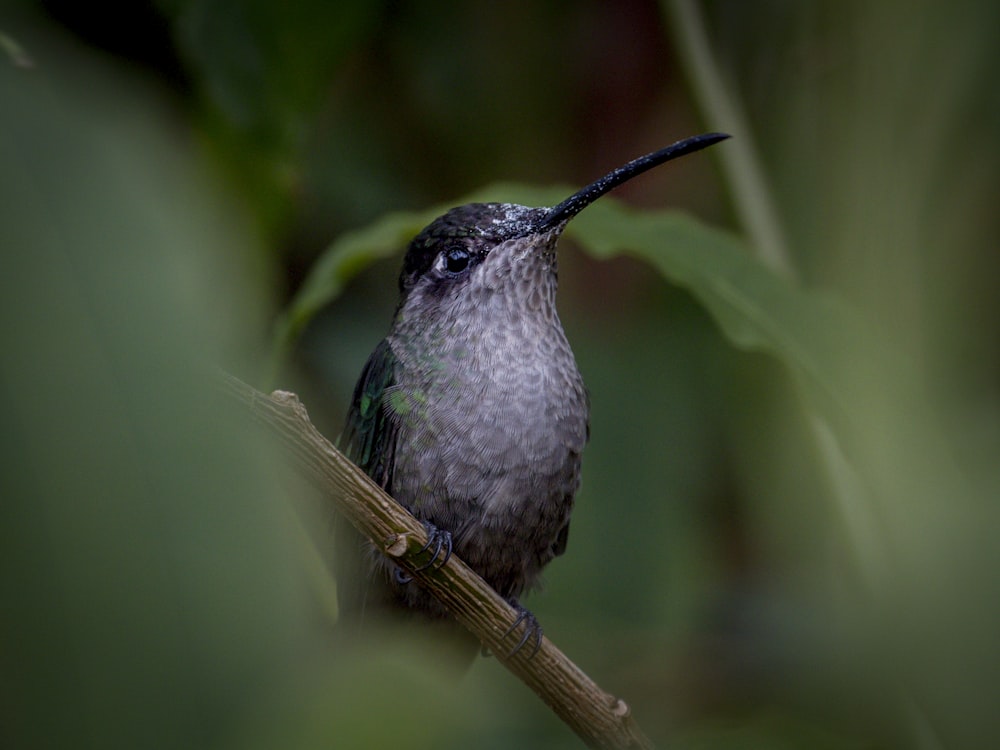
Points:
x=456, y=259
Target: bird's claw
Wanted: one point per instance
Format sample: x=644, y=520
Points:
x=441, y=541
x=436, y=538
x=400, y=576
x=532, y=631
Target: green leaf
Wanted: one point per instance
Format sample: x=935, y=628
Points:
x=265, y=66
x=824, y=342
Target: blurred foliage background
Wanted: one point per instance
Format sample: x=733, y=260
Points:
x=752, y=564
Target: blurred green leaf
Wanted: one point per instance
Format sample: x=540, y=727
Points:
x=261, y=71
x=266, y=65
x=154, y=583
x=149, y=581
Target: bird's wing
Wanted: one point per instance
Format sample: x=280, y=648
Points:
x=369, y=436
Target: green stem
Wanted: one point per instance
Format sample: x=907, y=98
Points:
x=759, y=219
x=739, y=160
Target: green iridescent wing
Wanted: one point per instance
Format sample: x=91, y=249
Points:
x=369, y=436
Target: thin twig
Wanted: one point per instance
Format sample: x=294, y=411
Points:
x=755, y=204
x=739, y=159
x=759, y=217
x=598, y=718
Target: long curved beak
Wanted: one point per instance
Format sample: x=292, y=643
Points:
x=583, y=198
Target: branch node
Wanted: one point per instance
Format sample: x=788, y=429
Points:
x=290, y=401
x=396, y=545
x=620, y=708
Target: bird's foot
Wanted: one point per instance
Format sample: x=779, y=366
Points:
x=400, y=576
x=441, y=542
x=436, y=538
x=532, y=630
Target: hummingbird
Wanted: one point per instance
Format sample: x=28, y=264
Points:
x=472, y=412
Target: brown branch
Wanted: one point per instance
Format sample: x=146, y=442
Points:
x=600, y=719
